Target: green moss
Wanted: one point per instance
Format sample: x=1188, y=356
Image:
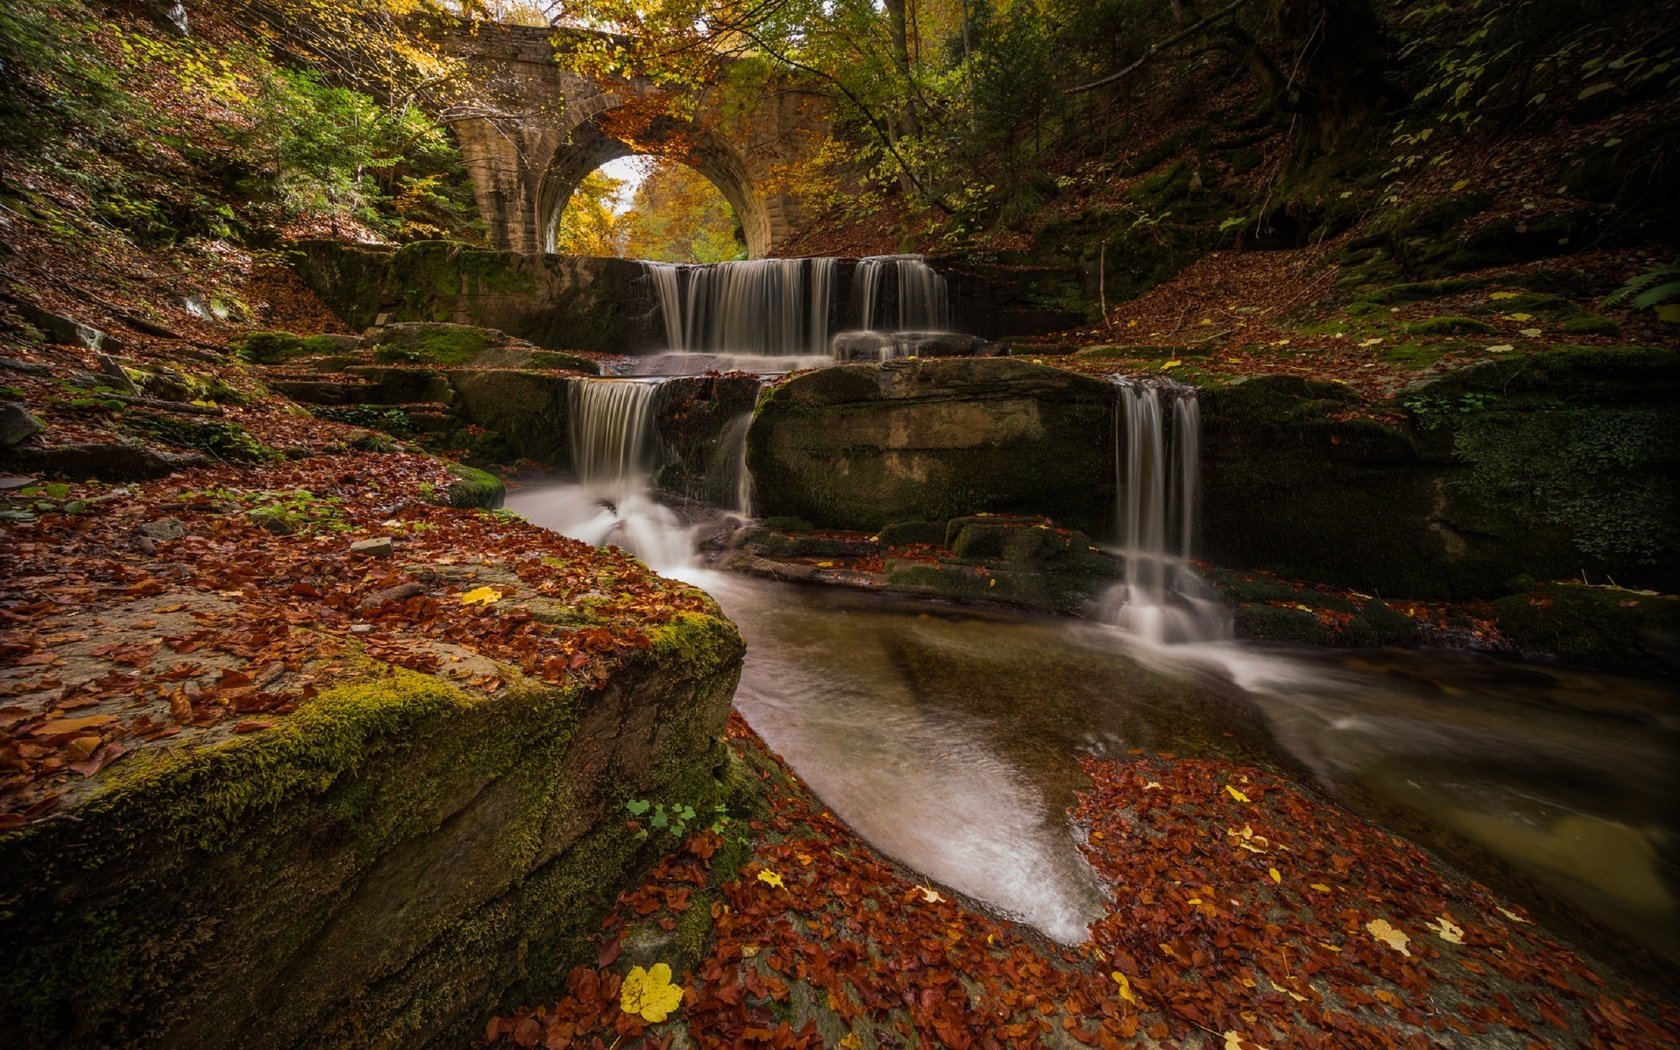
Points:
x=1418, y=291
x=1268, y=623
x=907, y=533
x=1605, y=626
x=1411, y=355
x=694, y=932
x=471, y=487
x=569, y=362
x=433, y=344
x=1449, y=326
x=268, y=348
x=1591, y=324
x=221, y=438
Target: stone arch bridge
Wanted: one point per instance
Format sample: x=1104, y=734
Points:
x=530, y=130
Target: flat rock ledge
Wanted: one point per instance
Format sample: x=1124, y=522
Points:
x=381, y=868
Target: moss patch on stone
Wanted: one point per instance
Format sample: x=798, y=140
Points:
x=434, y=344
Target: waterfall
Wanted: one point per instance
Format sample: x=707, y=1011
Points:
x=1157, y=452
x=773, y=307
x=916, y=300
x=615, y=450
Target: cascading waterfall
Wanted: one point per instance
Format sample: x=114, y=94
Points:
x=1157, y=452
x=915, y=301
x=615, y=451
x=772, y=307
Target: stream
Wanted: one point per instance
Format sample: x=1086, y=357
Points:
x=948, y=737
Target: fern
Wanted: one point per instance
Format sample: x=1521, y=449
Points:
x=1652, y=288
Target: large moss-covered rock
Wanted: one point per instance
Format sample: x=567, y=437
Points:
x=1544, y=465
x=858, y=446
x=380, y=868
x=560, y=302
x=526, y=411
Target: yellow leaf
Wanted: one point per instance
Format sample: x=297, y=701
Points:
x=1298, y=997
x=1504, y=295
x=1153, y=785
x=1331, y=947
x=770, y=878
x=1194, y=900
x=649, y=993
x=1125, y=988
x=1235, y=1041
x=1669, y=313
x=1132, y=323
x=1321, y=887
x=1234, y=793
x=1277, y=878
x=1513, y=916
x=851, y=1042
x=930, y=895
x=1174, y=363
x=825, y=565
x=1447, y=930
x=481, y=596
x=1519, y=317
x=1382, y=931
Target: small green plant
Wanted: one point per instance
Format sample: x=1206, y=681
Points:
x=1432, y=412
x=299, y=511
x=1656, y=289
x=676, y=820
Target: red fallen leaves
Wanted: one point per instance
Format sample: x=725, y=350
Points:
x=1277, y=962
x=254, y=624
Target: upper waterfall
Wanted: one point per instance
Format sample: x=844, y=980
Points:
x=775, y=307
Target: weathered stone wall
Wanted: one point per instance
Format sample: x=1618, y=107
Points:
x=859, y=446
x=385, y=867
x=562, y=302
x=1542, y=467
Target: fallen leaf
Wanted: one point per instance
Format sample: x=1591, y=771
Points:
x=1447, y=930
x=1382, y=931
x=770, y=878
x=1513, y=916
x=481, y=596
x=930, y=895
x=1234, y=793
x=1125, y=988
x=1276, y=877
x=1320, y=887
x=649, y=994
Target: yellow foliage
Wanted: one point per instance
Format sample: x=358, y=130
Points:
x=649, y=994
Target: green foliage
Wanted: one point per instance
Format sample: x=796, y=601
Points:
x=1601, y=472
x=55, y=82
x=676, y=820
x=1432, y=412
x=393, y=421
x=220, y=438
x=300, y=510
x=335, y=153
x=1652, y=289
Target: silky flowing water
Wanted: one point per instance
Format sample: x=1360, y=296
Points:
x=949, y=738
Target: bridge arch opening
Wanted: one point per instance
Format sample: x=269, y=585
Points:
x=590, y=145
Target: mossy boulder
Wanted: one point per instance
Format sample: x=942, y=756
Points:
x=273, y=348
x=472, y=488
x=527, y=412
x=1602, y=626
x=388, y=866
x=423, y=343
x=858, y=446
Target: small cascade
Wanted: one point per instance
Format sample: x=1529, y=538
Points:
x=900, y=293
x=1157, y=452
x=769, y=307
x=732, y=458
x=615, y=451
